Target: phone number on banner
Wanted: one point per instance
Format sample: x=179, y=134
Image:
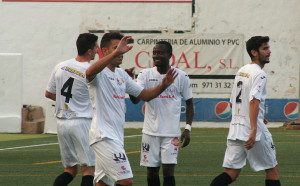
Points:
x=211, y=85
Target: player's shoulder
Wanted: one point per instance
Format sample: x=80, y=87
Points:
x=181, y=72
x=147, y=71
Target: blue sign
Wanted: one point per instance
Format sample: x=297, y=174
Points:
x=218, y=110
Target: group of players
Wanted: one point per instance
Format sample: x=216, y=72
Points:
x=90, y=111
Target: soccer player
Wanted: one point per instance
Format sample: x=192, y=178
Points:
x=161, y=130
x=107, y=131
x=68, y=87
x=248, y=136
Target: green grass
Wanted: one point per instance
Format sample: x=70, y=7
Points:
x=197, y=165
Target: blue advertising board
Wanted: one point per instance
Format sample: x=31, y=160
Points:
x=218, y=110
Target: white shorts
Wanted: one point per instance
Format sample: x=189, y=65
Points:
x=156, y=150
x=74, y=142
x=261, y=157
x=112, y=163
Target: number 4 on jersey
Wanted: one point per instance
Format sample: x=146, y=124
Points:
x=67, y=89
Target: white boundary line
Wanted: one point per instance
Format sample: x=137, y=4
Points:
x=21, y=147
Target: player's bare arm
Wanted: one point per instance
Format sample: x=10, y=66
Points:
x=185, y=136
x=99, y=65
x=50, y=95
x=254, y=110
x=148, y=94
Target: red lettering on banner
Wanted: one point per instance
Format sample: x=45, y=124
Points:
x=223, y=64
x=185, y=60
x=137, y=58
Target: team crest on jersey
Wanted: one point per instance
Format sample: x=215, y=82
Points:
x=120, y=81
x=175, y=142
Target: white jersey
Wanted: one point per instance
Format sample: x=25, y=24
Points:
x=110, y=88
x=162, y=114
x=250, y=82
x=68, y=82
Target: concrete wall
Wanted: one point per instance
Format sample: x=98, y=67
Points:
x=45, y=34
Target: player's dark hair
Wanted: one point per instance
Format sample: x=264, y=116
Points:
x=255, y=42
x=85, y=42
x=107, y=37
x=167, y=44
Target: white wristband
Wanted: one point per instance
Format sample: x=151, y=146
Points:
x=188, y=127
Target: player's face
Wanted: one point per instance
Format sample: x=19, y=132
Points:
x=112, y=46
x=264, y=53
x=160, y=55
x=94, y=51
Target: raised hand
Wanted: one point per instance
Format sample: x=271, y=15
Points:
x=170, y=77
x=123, y=45
x=130, y=72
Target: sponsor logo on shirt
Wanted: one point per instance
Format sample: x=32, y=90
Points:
x=153, y=79
x=73, y=71
x=118, y=97
x=168, y=96
x=244, y=74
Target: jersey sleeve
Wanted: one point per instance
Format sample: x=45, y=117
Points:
x=141, y=78
x=186, y=91
x=259, y=83
x=132, y=87
x=51, y=86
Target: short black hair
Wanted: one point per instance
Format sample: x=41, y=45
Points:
x=255, y=42
x=107, y=37
x=167, y=44
x=85, y=42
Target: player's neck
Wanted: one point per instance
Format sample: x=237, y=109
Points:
x=163, y=69
x=83, y=59
x=258, y=63
x=111, y=67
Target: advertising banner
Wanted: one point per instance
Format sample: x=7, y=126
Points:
x=210, y=60
x=218, y=110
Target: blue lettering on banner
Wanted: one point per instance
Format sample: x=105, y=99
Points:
x=218, y=110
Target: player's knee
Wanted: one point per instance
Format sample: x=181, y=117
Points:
x=87, y=170
x=126, y=182
x=72, y=170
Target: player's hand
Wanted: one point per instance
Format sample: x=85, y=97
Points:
x=185, y=138
x=251, y=140
x=130, y=72
x=170, y=77
x=123, y=45
x=266, y=121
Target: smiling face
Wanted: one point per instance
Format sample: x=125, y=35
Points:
x=161, y=56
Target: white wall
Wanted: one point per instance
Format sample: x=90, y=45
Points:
x=45, y=33
x=10, y=92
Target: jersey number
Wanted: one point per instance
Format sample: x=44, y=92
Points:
x=67, y=89
x=238, y=97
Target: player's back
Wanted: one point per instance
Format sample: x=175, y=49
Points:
x=249, y=83
x=72, y=96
